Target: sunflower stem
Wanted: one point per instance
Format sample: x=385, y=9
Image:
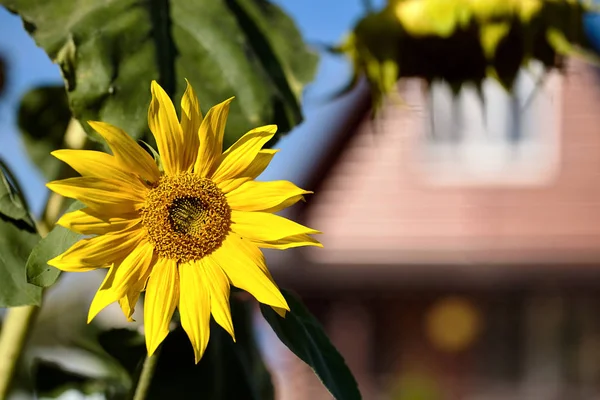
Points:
x=14, y=335
x=18, y=320
x=143, y=385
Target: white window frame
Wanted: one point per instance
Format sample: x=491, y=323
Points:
x=484, y=155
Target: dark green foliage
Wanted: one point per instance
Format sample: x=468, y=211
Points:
x=304, y=336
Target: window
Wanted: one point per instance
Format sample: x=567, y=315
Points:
x=506, y=139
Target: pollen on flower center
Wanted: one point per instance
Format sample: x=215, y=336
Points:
x=187, y=217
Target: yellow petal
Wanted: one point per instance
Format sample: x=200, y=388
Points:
x=104, y=296
x=131, y=297
x=130, y=156
x=290, y=242
x=191, y=118
x=256, y=167
x=270, y=196
x=266, y=227
x=98, y=164
x=162, y=295
x=134, y=270
x=165, y=127
x=245, y=267
x=128, y=303
x=218, y=284
x=100, y=194
x=194, y=305
x=211, y=134
x=280, y=311
x=260, y=163
x=84, y=222
x=99, y=251
x=240, y=155
x=257, y=257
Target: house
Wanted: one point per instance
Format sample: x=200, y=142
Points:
x=462, y=244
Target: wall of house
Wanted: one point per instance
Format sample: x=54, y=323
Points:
x=395, y=202
x=386, y=202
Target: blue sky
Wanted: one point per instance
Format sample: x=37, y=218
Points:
x=319, y=21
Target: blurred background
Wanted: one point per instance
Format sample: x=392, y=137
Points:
x=462, y=237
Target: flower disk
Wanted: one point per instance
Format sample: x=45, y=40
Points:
x=187, y=217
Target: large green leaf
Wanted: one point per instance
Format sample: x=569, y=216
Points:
x=18, y=236
x=56, y=242
x=110, y=51
x=303, y=335
x=17, y=239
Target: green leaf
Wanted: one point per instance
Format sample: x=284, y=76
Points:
x=109, y=54
x=43, y=118
x=17, y=239
x=303, y=335
x=58, y=240
x=12, y=203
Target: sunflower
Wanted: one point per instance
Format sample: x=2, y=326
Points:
x=182, y=229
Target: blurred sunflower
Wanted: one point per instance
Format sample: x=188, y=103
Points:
x=181, y=229
x=464, y=41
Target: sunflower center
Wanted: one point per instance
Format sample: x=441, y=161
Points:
x=187, y=217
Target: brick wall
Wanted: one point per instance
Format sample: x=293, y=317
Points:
x=376, y=207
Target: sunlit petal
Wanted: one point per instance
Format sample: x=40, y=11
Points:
x=266, y=227
x=130, y=156
x=265, y=196
x=165, y=127
x=100, y=194
x=211, y=134
x=191, y=118
x=104, y=296
x=244, y=265
x=194, y=305
x=256, y=167
x=236, y=160
x=289, y=242
x=98, y=252
x=98, y=164
x=85, y=222
x=219, y=294
x=134, y=270
x=162, y=296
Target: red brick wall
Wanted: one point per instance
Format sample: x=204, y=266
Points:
x=374, y=207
